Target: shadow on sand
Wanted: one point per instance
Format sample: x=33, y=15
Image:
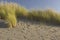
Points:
x=3, y=24
x=23, y=19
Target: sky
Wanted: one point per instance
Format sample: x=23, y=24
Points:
x=38, y=4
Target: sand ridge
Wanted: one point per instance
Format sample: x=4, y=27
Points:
x=30, y=31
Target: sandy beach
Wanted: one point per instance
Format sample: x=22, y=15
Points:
x=29, y=20
x=30, y=31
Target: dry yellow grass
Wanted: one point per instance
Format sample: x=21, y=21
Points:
x=11, y=11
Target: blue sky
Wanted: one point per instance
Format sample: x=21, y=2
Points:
x=38, y=4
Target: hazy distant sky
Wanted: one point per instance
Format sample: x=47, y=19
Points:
x=38, y=4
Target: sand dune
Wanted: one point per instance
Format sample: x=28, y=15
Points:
x=30, y=31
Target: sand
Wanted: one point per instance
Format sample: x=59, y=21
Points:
x=30, y=31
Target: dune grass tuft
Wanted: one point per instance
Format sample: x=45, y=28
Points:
x=48, y=15
x=11, y=11
x=8, y=13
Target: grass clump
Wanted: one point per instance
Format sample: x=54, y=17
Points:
x=7, y=12
x=45, y=16
x=11, y=11
x=21, y=11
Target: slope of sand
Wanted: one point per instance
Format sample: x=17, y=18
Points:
x=30, y=31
